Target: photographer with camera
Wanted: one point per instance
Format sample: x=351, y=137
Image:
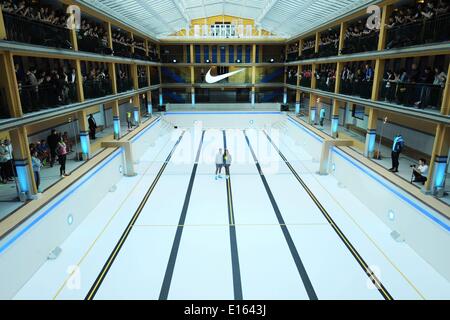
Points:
x=420, y=172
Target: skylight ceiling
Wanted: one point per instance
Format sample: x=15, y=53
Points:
x=287, y=18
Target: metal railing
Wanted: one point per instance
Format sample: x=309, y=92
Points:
x=361, y=44
x=124, y=85
x=122, y=50
x=97, y=88
x=46, y=95
x=308, y=54
x=305, y=82
x=325, y=84
x=421, y=95
x=142, y=82
x=92, y=44
x=357, y=87
x=24, y=30
x=4, y=110
x=420, y=32
x=328, y=50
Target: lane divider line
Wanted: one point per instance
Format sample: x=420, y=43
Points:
x=386, y=295
x=106, y=267
x=295, y=255
x=164, y=293
x=237, y=282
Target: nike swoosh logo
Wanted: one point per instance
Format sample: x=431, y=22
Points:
x=213, y=79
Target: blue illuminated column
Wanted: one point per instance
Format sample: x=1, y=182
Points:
x=297, y=107
x=334, y=125
x=161, y=100
x=149, y=108
x=136, y=116
x=285, y=96
x=312, y=114
x=24, y=175
x=116, y=123
x=193, y=96
x=369, y=148
x=85, y=144
x=252, y=96
x=440, y=167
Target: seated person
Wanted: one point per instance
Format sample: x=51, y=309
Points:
x=420, y=173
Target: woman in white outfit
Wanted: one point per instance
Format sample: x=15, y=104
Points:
x=219, y=164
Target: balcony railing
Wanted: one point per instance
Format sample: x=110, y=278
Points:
x=122, y=50
x=92, y=44
x=124, y=85
x=326, y=84
x=305, y=82
x=357, y=87
x=361, y=44
x=46, y=95
x=142, y=82
x=4, y=110
x=97, y=88
x=420, y=95
x=427, y=31
x=308, y=54
x=328, y=50
x=34, y=32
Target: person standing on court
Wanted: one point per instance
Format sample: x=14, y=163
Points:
x=397, y=148
x=92, y=127
x=227, y=162
x=52, y=141
x=62, y=155
x=219, y=164
x=322, y=116
x=36, y=164
x=129, y=123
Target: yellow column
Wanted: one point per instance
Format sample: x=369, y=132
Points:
x=73, y=39
x=445, y=109
x=8, y=81
x=378, y=76
x=132, y=38
x=387, y=10
x=342, y=37
x=191, y=52
x=2, y=27
x=79, y=81
x=316, y=48
x=109, y=33
x=112, y=76
x=439, y=158
x=312, y=108
x=134, y=76
x=147, y=70
x=297, y=91
x=253, y=92
x=300, y=46
x=22, y=161
x=313, y=76
x=371, y=134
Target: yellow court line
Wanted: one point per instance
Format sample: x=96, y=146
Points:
x=107, y=224
x=362, y=230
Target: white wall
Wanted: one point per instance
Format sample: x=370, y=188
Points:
x=430, y=240
x=27, y=253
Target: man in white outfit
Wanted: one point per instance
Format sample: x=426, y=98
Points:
x=219, y=164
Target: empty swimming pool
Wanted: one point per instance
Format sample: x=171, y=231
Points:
x=272, y=229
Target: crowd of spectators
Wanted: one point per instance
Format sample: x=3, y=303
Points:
x=326, y=78
x=308, y=49
x=46, y=88
x=358, y=38
x=96, y=83
x=414, y=87
x=329, y=44
x=49, y=28
x=414, y=24
x=357, y=80
x=93, y=37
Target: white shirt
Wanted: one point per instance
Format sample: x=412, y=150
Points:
x=423, y=170
x=219, y=158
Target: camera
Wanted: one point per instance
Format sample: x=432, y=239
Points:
x=412, y=166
